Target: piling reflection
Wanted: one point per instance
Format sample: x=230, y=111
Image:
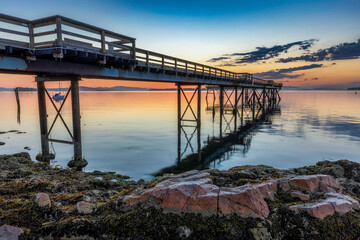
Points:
x=237, y=126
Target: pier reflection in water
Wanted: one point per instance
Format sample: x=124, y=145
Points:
x=236, y=127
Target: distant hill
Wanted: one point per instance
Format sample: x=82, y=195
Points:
x=117, y=88
x=97, y=89
x=20, y=89
x=354, y=88
x=290, y=88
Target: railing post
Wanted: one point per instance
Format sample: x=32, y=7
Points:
x=103, y=41
x=133, y=50
x=147, y=61
x=58, y=31
x=176, y=71
x=163, y=63
x=31, y=36
x=186, y=68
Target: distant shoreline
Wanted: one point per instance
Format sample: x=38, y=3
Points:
x=136, y=89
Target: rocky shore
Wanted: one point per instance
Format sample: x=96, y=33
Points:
x=246, y=202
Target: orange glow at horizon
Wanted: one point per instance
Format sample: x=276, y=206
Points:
x=342, y=73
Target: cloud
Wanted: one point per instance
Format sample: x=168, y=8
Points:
x=286, y=72
x=218, y=59
x=226, y=65
x=314, y=79
x=265, y=53
x=342, y=51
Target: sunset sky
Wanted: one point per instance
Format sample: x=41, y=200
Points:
x=307, y=43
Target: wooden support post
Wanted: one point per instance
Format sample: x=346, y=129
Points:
x=236, y=101
x=221, y=99
x=199, y=142
x=75, y=102
x=43, y=119
x=263, y=102
x=199, y=123
x=242, y=104
x=253, y=104
x=199, y=106
x=179, y=121
x=18, y=104
x=221, y=108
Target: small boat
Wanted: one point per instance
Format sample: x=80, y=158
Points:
x=58, y=97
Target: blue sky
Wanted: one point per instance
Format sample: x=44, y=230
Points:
x=201, y=30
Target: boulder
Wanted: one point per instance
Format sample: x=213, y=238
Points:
x=334, y=202
x=42, y=200
x=307, y=183
x=9, y=232
x=85, y=207
x=338, y=171
x=247, y=201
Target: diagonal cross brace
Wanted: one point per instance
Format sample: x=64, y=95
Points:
x=58, y=114
x=188, y=104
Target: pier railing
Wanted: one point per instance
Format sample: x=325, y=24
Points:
x=59, y=34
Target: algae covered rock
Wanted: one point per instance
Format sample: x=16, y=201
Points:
x=246, y=202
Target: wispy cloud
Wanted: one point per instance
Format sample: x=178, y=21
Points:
x=286, y=72
x=217, y=59
x=264, y=53
x=343, y=51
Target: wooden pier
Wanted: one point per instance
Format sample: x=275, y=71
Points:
x=58, y=48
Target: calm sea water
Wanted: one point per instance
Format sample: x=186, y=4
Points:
x=135, y=133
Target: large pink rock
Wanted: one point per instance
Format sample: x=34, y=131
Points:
x=268, y=189
x=193, y=192
x=334, y=202
x=168, y=195
x=204, y=200
x=329, y=184
x=300, y=195
x=320, y=209
x=307, y=183
x=9, y=232
x=355, y=204
x=247, y=201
